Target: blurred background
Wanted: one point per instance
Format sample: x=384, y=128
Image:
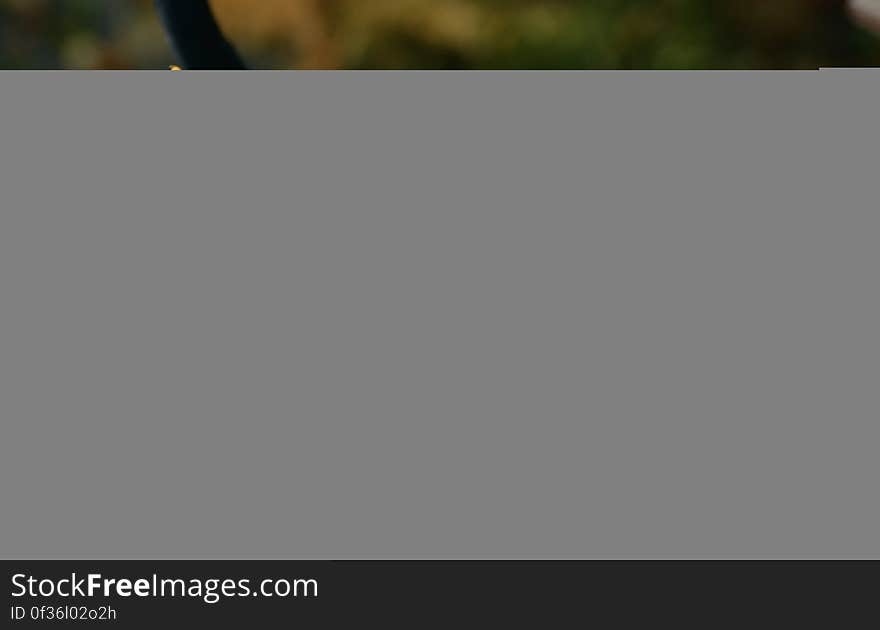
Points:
x=451, y=34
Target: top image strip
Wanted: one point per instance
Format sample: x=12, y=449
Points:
x=439, y=34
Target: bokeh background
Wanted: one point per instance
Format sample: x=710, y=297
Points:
x=451, y=34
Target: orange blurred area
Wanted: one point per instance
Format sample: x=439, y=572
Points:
x=452, y=34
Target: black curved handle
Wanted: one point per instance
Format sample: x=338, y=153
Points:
x=196, y=36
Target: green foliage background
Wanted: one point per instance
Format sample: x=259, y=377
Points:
x=453, y=34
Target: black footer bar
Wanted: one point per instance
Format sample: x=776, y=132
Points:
x=413, y=594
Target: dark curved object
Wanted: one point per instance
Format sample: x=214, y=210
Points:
x=196, y=36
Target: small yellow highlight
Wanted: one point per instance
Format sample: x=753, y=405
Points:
x=175, y=68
